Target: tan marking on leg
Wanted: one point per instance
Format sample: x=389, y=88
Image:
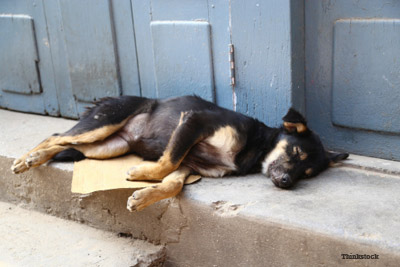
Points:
x=149, y=170
x=170, y=187
x=19, y=165
x=41, y=156
x=36, y=158
x=88, y=137
x=84, y=138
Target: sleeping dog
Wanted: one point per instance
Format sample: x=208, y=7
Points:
x=184, y=135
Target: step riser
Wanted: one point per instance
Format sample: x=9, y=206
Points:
x=238, y=241
x=48, y=189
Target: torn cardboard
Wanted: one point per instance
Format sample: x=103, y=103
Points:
x=92, y=175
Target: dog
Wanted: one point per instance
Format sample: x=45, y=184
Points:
x=184, y=135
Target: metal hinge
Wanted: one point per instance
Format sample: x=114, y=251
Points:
x=232, y=63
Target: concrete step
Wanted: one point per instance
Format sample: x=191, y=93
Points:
x=30, y=238
x=235, y=221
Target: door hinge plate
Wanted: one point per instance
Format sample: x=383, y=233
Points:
x=232, y=63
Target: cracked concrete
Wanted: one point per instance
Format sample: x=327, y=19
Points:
x=173, y=222
x=233, y=221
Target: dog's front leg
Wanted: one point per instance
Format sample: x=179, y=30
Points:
x=188, y=132
x=169, y=187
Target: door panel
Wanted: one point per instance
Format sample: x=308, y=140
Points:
x=26, y=73
x=182, y=56
x=268, y=53
x=126, y=47
x=90, y=47
x=19, y=71
x=366, y=74
x=183, y=48
x=353, y=75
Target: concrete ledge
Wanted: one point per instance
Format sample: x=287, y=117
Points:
x=231, y=221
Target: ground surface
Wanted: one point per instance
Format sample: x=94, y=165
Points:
x=29, y=238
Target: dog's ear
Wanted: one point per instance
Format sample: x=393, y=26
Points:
x=294, y=122
x=336, y=157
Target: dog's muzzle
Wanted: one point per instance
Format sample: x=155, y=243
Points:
x=279, y=175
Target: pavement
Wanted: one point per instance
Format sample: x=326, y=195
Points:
x=30, y=238
x=352, y=209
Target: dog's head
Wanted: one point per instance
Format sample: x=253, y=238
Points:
x=298, y=153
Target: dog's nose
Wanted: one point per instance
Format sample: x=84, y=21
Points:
x=285, y=181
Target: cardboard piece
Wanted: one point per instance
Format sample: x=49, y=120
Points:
x=99, y=175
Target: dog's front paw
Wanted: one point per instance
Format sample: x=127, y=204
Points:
x=19, y=166
x=133, y=174
x=140, y=199
x=148, y=170
x=141, y=172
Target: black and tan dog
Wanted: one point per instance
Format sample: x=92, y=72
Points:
x=186, y=135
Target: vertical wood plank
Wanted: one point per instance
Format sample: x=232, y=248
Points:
x=126, y=47
x=218, y=11
x=90, y=46
x=261, y=35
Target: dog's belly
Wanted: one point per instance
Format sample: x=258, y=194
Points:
x=134, y=128
x=146, y=136
x=215, y=156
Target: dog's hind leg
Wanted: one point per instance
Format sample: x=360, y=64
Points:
x=111, y=147
x=55, y=144
x=169, y=187
x=101, y=121
x=191, y=129
x=41, y=156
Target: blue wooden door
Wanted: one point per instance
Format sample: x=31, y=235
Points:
x=26, y=73
x=353, y=75
x=63, y=55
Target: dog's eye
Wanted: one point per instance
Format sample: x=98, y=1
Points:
x=309, y=172
x=297, y=151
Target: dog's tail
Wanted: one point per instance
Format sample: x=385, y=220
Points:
x=69, y=155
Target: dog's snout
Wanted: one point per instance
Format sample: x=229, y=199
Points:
x=285, y=181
